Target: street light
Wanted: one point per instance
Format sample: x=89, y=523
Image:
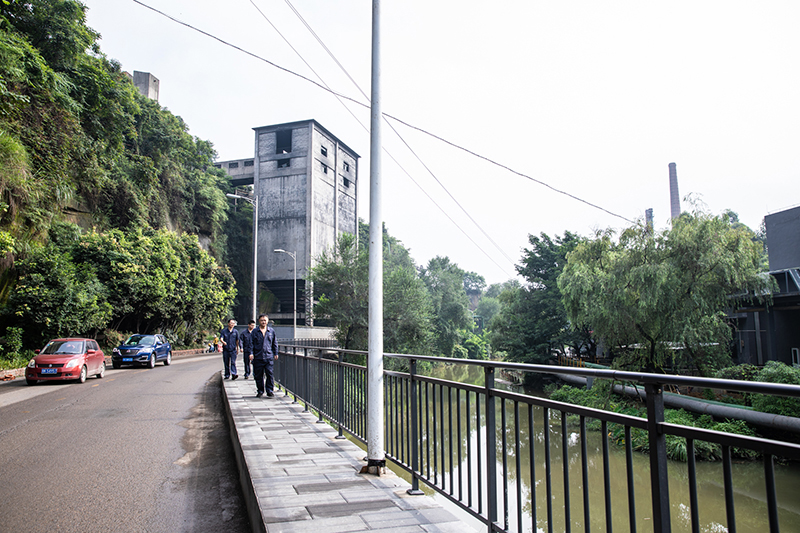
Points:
x=294, y=312
x=254, y=202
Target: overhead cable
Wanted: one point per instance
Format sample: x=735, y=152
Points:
x=350, y=99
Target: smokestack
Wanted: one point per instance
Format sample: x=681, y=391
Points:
x=648, y=219
x=674, y=196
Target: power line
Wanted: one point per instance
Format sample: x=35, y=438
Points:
x=391, y=126
x=334, y=58
x=345, y=97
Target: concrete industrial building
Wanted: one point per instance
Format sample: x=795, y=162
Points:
x=305, y=180
x=771, y=332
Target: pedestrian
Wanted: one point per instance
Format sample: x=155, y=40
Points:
x=246, y=338
x=265, y=352
x=230, y=347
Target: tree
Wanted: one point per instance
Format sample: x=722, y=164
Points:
x=651, y=293
x=532, y=322
x=445, y=283
x=341, y=280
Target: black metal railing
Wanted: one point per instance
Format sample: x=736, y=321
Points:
x=522, y=463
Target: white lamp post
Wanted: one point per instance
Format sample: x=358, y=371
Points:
x=254, y=202
x=294, y=312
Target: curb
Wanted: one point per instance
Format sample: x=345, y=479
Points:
x=246, y=482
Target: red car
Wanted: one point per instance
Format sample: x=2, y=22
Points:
x=66, y=359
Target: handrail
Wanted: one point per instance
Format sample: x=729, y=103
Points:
x=456, y=437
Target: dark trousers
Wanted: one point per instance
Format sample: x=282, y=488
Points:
x=246, y=358
x=229, y=360
x=263, y=370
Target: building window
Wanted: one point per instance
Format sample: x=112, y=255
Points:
x=248, y=163
x=284, y=163
x=283, y=141
x=346, y=182
x=233, y=165
x=217, y=165
x=324, y=151
x=324, y=168
x=346, y=166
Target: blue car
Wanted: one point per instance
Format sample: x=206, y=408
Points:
x=142, y=350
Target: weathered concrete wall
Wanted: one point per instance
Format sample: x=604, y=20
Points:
x=783, y=238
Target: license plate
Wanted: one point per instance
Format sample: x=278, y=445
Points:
x=127, y=359
x=49, y=371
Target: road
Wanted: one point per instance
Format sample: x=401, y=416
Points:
x=139, y=450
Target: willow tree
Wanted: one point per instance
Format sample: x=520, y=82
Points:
x=653, y=295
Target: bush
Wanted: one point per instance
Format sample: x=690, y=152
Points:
x=744, y=372
x=776, y=372
x=599, y=397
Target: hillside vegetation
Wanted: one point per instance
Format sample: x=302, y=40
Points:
x=104, y=195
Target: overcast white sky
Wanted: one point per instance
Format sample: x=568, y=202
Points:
x=593, y=98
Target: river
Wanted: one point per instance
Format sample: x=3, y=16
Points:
x=748, y=478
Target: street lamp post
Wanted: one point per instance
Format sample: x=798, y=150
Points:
x=294, y=312
x=254, y=202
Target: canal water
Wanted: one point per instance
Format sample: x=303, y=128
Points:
x=748, y=479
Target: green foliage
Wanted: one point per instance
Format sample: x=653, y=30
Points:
x=157, y=281
x=777, y=372
x=599, y=397
x=532, y=322
x=743, y=372
x=487, y=309
x=57, y=297
x=451, y=315
x=341, y=281
x=650, y=292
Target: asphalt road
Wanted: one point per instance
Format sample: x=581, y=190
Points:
x=140, y=450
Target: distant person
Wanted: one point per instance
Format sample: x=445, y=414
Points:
x=246, y=338
x=265, y=352
x=230, y=347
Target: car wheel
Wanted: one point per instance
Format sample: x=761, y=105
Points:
x=152, y=362
x=168, y=360
x=82, y=377
x=116, y=364
x=102, y=372
x=31, y=381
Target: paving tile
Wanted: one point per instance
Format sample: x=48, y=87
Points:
x=307, y=480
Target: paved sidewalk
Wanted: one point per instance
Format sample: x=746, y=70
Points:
x=298, y=477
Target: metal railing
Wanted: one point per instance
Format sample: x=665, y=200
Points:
x=478, y=445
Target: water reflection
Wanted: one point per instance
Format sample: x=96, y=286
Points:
x=462, y=473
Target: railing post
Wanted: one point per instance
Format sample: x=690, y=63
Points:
x=290, y=379
x=306, y=384
x=340, y=394
x=320, y=400
x=414, y=490
x=491, y=451
x=659, y=480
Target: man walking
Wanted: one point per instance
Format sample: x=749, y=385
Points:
x=265, y=351
x=246, y=338
x=230, y=346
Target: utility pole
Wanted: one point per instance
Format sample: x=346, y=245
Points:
x=376, y=456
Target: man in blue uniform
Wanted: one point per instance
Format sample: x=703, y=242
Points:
x=265, y=352
x=246, y=338
x=230, y=346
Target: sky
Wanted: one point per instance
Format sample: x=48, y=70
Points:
x=593, y=99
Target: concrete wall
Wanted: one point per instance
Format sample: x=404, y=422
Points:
x=147, y=84
x=302, y=206
x=783, y=238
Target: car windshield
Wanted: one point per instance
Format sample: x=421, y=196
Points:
x=63, y=347
x=133, y=340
